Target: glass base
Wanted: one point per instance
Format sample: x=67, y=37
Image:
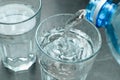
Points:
x=19, y=65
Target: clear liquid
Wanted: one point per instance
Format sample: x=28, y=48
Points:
x=14, y=13
x=17, y=41
x=73, y=47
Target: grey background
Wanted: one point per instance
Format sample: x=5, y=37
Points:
x=104, y=68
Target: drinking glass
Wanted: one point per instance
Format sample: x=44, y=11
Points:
x=18, y=22
x=66, y=53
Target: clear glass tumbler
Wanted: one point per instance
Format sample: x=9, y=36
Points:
x=66, y=54
x=18, y=22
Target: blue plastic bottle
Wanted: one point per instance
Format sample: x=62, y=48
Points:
x=105, y=13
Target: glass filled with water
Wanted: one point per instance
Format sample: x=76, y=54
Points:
x=18, y=22
x=66, y=51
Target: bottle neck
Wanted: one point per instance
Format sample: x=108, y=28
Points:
x=101, y=12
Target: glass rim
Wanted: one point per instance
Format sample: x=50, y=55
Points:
x=82, y=60
x=36, y=12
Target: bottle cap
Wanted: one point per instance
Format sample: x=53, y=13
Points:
x=100, y=12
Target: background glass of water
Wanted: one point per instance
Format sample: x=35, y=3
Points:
x=66, y=54
x=18, y=22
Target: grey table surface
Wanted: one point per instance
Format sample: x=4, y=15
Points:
x=104, y=68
